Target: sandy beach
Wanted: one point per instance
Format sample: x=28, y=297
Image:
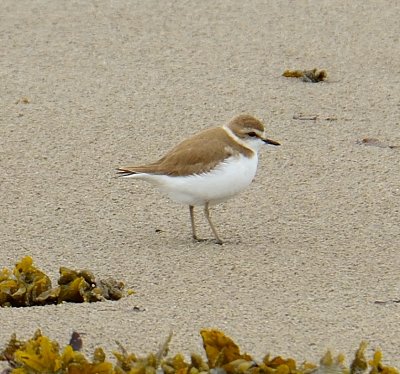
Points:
x=310, y=247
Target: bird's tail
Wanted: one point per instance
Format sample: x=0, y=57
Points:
x=121, y=172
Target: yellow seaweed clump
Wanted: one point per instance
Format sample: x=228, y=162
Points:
x=309, y=76
x=224, y=357
x=26, y=285
x=41, y=355
x=81, y=286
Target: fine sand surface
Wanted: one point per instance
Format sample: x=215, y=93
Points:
x=310, y=246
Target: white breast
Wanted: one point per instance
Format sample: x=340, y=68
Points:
x=228, y=179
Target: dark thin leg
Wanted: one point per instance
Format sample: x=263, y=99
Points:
x=207, y=214
x=191, y=210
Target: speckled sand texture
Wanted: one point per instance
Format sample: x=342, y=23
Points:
x=309, y=247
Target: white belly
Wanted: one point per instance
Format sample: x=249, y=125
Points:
x=227, y=180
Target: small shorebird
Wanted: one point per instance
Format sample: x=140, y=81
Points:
x=209, y=167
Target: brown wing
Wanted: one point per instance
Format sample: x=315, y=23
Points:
x=196, y=155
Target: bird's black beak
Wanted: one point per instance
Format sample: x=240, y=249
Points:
x=270, y=141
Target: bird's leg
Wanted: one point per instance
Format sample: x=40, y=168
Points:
x=191, y=210
x=207, y=214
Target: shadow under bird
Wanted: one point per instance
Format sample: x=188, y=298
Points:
x=207, y=168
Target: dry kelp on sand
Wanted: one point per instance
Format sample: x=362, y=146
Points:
x=376, y=143
x=41, y=355
x=26, y=285
x=310, y=76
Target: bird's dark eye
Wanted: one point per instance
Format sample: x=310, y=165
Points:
x=252, y=134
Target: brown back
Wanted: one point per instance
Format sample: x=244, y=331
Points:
x=193, y=155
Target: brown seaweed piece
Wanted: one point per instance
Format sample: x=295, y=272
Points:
x=27, y=286
x=223, y=352
x=310, y=76
x=111, y=289
x=68, y=275
x=81, y=286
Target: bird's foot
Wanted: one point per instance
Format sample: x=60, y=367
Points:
x=215, y=241
x=199, y=240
